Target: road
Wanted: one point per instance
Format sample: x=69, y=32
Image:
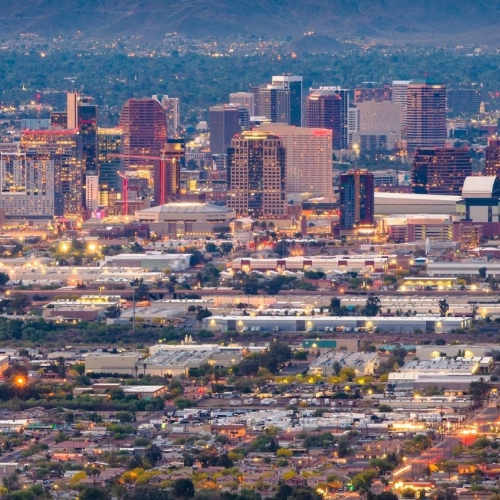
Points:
x=414, y=469
x=50, y=294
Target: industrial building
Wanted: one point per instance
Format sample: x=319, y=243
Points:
x=153, y=260
x=321, y=263
x=362, y=363
x=442, y=372
x=105, y=362
x=429, y=352
x=331, y=323
x=175, y=360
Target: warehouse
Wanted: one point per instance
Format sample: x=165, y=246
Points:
x=447, y=372
x=335, y=323
x=363, y=363
x=105, y=362
x=410, y=203
x=152, y=260
x=346, y=263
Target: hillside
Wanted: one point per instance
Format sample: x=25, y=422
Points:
x=401, y=21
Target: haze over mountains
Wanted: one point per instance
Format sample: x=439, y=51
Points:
x=400, y=21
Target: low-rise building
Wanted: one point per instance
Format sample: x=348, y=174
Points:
x=442, y=372
x=151, y=260
x=104, y=362
x=332, y=323
x=361, y=362
x=187, y=219
x=146, y=391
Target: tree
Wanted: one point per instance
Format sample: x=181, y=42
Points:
x=211, y=247
x=372, y=306
x=226, y=247
x=94, y=494
x=383, y=466
x=482, y=272
x=113, y=311
x=248, y=367
x=20, y=302
x=183, y=488
x=4, y=279
x=153, y=455
x=203, y=313
x=343, y=448
x=363, y=480
x=443, y=307
x=478, y=391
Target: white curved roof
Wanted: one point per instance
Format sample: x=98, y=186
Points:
x=478, y=187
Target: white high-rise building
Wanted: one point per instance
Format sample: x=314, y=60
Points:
x=27, y=186
x=171, y=107
x=308, y=158
x=92, y=192
x=353, y=122
x=400, y=95
x=243, y=100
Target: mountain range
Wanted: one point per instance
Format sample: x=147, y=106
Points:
x=456, y=22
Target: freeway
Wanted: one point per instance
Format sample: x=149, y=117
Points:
x=443, y=449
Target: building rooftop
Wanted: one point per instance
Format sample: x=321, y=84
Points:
x=181, y=207
x=416, y=197
x=351, y=359
x=143, y=388
x=479, y=187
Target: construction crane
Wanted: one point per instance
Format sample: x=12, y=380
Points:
x=162, y=159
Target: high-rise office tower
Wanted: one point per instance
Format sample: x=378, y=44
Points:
x=257, y=174
x=255, y=90
x=308, y=158
x=244, y=100
x=144, y=129
x=357, y=199
x=64, y=147
x=328, y=107
x=87, y=123
x=281, y=101
x=27, y=188
x=72, y=101
x=440, y=170
x=426, y=114
x=224, y=124
x=463, y=100
x=353, y=122
x=372, y=91
x=243, y=119
x=109, y=143
x=400, y=95
x=492, y=158
x=92, y=193
x=167, y=173
x=59, y=119
x=172, y=114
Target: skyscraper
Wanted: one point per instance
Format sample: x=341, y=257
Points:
x=257, y=175
x=144, y=129
x=426, y=114
x=440, y=170
x=167, y=173
x=72, y=99
x=281, y=101
x=87, y=123
x=357, y=199
x=463, y=100
x=308, y=158
x=64, y=147
x=92, y=193
x=244, y=100
x=372, y=91
x=27, y=188
x=328, y=107
x=224, y=124
x=492, y=158
x=400, y=95
x=109, y=143
x=172, y=114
